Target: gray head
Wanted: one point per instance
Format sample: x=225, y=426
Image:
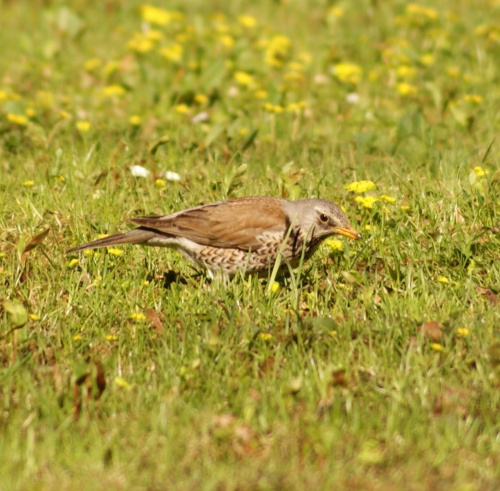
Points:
x=320, y=218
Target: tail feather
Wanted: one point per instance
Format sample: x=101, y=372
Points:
x=134, y=236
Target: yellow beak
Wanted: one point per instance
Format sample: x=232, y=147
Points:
x=348, y=232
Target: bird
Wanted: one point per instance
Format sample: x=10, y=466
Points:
x=246, y=234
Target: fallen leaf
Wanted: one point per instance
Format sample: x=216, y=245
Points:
x=35, y=241
x=431, y=330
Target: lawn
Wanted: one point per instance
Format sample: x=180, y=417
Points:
x=374, y=366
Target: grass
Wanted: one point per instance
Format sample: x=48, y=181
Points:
x=376, y=366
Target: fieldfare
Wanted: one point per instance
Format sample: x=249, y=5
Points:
x=244, y=234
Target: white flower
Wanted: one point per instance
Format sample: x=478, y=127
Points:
x=198, y=118
x=139, y=171
x=172, y=176
x=352, y=98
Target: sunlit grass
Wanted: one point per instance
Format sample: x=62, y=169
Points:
x=376, y=365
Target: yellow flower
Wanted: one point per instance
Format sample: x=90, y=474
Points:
x=275, y=287
x=17, y=119
x=387, y=199
x=89, y=252
x=140, y=44
x=158, y=16
x=336, y=12
x=473, y=98
x=405, y=89
x=111, y=337
x=135, y=120
x=260, y=94
x=91, y=64
x=160, y=183
x=137, y=316
x=360, y=186
x=335, y=244
x=462, y=332
x=247, y=21
x=182, y=108
x=480, y=171
x=34, y=317
x=154, y=35
x=443, y=279
x=244, y=78
x=64, y=115
x=77, y=337
x=113, y=90
x=30, y=112
x=348, y=72
x=366, y=201
x=277, y=49
x=295, y=107
x=333, y=333
x=405, y=71
x=420, y=13
x=3, y=95
x=82, y=126
x=173, y=52
x=453, y=72
x=265, y=336
x=201, y=99
x=122, y=383
x=115, y=252
x=28, y=184
x=227, y=40
x=437, y=347
x=427, y=59
x=273, y=108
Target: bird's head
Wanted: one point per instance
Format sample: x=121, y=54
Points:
x=320, y=218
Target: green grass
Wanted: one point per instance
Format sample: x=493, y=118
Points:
x=135, y=371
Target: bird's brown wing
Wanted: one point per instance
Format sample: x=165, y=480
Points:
x=235, y=223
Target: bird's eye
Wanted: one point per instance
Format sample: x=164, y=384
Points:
x=323, y=218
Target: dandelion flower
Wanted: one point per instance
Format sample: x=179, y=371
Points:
x=114, y=90
x=28, y=184
x=335, y=244
x=480, y=171
x=115, y=252
x=137, y=317
x=360, y=186
x=247, y=21
x=347, y=72
x=437, y=347
x=366, y=201
x=265, y=336
x=135, y=120
x=443, y=279
x=405, y=89
x=17, y=119
x=244, y=78
x=462, y=332
x=387, y=199
x=122, y=383
x=82, y=126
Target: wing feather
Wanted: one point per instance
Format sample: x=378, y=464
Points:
x=236, y=223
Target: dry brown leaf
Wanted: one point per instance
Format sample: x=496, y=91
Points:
x=35, y=241
x=154, y=319
x=431, y=330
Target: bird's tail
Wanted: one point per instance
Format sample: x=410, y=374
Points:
x=135, y=236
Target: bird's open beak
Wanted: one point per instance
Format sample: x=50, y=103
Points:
x=348, y=232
